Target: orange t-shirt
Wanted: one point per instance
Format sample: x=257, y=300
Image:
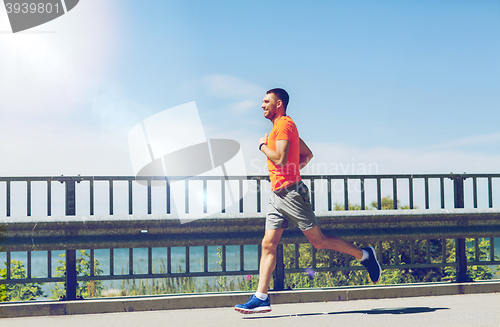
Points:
x=284, y=129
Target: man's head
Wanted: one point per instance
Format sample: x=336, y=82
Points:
x=281, y=95
x=275, y=103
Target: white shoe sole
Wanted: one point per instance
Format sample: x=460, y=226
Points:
x=256, y=310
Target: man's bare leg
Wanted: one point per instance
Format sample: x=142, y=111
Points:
x=367, y=256
x=259, y=302
x=268, y=258
x=321, y=241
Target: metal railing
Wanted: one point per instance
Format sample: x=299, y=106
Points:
x=350, y=185
x=70, y=236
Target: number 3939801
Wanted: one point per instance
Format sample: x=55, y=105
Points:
x=32, y=8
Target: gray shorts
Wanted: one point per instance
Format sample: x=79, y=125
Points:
x=291, y=204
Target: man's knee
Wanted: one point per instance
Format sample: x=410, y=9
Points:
x=326, y=242
x=317, y=239
x=319, y=243
x=269, y=245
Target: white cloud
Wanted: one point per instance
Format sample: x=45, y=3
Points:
x=240, y=96
x=231, y=87
x=244, y=106
x=51, y=149
x=468, y=141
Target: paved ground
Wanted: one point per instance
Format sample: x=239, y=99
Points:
x=452, y=310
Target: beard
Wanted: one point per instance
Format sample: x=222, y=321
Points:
x=270, y=115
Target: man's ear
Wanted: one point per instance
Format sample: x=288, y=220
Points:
x=279, y=103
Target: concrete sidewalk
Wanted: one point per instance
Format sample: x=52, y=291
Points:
x=482, y=310
x=220, y=300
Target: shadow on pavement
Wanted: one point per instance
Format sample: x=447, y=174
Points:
x=384, y=311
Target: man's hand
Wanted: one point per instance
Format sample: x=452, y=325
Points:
x=263, y=139
x=280, y=155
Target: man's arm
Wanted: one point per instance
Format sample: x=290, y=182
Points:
x=305, y=154
x=280, y=156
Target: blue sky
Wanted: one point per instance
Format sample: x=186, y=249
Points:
x=410, y=86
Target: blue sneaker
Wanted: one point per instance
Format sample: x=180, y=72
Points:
x=371, y=264
x=254, y=305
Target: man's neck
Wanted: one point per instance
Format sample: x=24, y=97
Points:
x=277, y=117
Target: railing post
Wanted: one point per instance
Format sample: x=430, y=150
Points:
x=279, y=272
x=461, y=255
x=71, y=283
x=70, y=198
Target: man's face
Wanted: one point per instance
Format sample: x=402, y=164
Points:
x=269, y=104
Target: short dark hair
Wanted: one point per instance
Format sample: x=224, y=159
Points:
x=281, y=95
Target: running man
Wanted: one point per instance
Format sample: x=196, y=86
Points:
x=286, y=155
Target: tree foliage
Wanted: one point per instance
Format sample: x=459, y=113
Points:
x=3, y=287
x=475, y=272
x=21, y=292
x=88, y=289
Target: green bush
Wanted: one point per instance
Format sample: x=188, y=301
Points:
x=88, y=289
x=21, y=292
x=475, y=272
x=3, y=287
